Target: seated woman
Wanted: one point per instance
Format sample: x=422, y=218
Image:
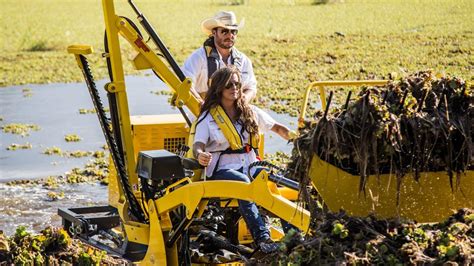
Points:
x=226, y=142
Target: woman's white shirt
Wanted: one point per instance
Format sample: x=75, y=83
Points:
x=209, y=133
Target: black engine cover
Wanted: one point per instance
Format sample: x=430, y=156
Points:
x=159, y=165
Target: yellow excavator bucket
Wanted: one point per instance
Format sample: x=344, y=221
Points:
x=430, y=199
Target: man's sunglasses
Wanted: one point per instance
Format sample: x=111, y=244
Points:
x=226, y=31
x=232, y=84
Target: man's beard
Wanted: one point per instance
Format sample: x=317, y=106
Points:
x=222, y=45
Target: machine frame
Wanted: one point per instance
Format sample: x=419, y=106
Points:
x=147, y=231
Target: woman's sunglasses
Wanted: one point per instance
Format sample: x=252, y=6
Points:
x=232, y=84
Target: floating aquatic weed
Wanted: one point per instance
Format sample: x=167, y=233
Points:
x=83, y=111
x=50, y=182
x=53, y=151
x=278, y=158
x=52, y=246
x=98, y=154
x=340, y=239
x=27, y=92
x=23, y=182
x=20, y=129
x=95, y=170
x=14, y=146
x=78, y=154
x=53, y=196
x=162, y=92
x=72, y=138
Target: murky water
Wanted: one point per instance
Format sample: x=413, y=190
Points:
x=55, y=108
x=30, y=206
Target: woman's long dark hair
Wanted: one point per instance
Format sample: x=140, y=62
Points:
x=219, y=81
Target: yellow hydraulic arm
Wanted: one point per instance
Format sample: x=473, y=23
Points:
x=146, y=59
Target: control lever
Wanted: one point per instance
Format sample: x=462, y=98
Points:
x=191, y=164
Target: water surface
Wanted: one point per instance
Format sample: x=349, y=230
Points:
x=55, y=109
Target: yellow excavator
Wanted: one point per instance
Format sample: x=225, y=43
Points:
x=161, y=213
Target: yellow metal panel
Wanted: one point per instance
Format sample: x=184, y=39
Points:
x=150, y=132
x=80, y=49
x=288, y=193
x=140, y=62
x=154, y=132
x=157, y=119
x=156, y=253
x=137, y=233
x=429, y=200
x=245, y=237
x=113, y=186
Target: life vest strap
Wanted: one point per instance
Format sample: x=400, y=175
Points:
x=245, y=149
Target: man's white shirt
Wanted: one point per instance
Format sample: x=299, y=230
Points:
x=195, y=67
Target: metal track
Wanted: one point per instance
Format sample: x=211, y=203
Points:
x=117, y=157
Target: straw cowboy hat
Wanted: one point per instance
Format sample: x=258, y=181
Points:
x=223, y=19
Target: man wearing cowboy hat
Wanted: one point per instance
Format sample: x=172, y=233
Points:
x=217, y=52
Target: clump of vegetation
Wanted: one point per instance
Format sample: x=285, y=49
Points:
x=15, y=146
x=78, y=154
x=278, y=158
x=84, y=111
x=50, y=182
x=75, y=154
x=340, y=239
x=162, y=92
x=23, y=182
x=420, y=123
x=20, y=129
x=27, y=92
x=53, y=151
x=52, y=246
x=98, y=154
x=40, y=46
x=53, y=196
x=97, y=170
x=72, y=138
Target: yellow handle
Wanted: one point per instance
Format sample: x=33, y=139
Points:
x=322, y=93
